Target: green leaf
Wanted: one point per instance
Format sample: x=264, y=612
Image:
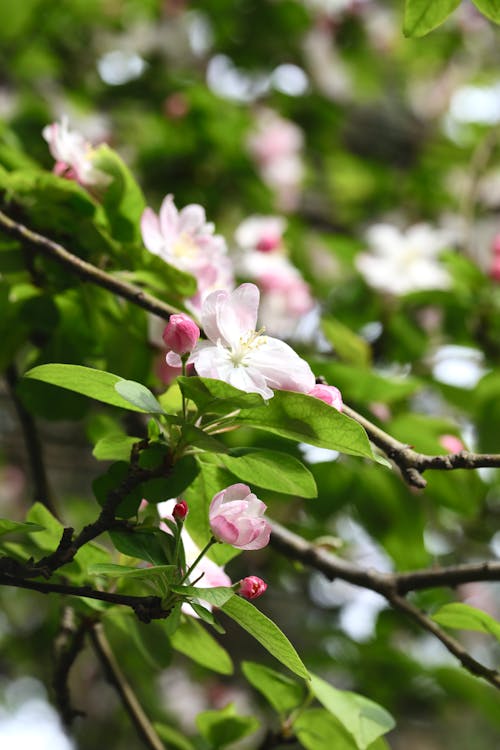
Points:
x=490, y=8
x=316, y=729
x=224, y=726
x=216, y=397
x=109, y=570
x=364, y=385
x=142, y=544
x=114, y=447
x=364, y=719
x=192, y=640
x=122, y=199
x=421, y=16
x=272, y=470
x=138, y=395
x=218, y=595
x=283, y=693
x=309, y=420
x=266, y=632
x=173, y=737
x=17, y=527
x=96, y=384
x=349, y=346
x=465, y=617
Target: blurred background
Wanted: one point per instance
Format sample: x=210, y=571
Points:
x=321, y=115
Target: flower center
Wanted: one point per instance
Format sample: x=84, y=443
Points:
x=247, y=343
x=184, y=247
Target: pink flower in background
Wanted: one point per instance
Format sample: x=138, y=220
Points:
x=180, y=335
x=451, y=443
x=236, y=517
x=403, y=262
x=262, y=233
x=495, y=262
x=186, y=240
x=276, y=146
x=241, y=356
x=329, y=394
x=74, y=155
x=252, y=587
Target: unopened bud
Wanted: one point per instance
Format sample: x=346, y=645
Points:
x=252, y=587
x=181, y=334
x=180, y=510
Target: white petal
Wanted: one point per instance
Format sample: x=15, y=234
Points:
x=281, y=366
x=211, y=314
x=192, y=219
x=169, y=217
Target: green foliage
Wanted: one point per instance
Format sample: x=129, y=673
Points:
x=192, y=640
x=16, y=527
x=266, y=632
x=221, y=728
x=465, y=617
x=272, y=470
x=280, y=691
x=490, y=8
x=421, y=16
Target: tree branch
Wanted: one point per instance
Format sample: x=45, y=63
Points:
x=146, y=608
x=67, y=645
x=411, y=463
x=87, y=271
x=41, y=487
x=115, y=676
x=392, y=585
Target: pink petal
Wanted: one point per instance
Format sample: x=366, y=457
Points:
x=223, y=530
x=192, y=219
x=150, y=230
x=169, y=217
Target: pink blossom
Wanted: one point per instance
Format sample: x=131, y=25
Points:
x=451, y=443
x=186, y=240
x=74, y=155
x=180, y=335
x=262, y=233
x=180, y=510
x=252, y=587
x=235, y=517
x=329, y=394
x=241, y=356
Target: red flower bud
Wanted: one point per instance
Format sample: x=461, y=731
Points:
x=180, y=510
x=252, y=587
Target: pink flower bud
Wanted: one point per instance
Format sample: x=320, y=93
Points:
x=235, y=517
x=268, y=242
x=329, y=394
x=451, y=443
x=252, y=587
x=180, y=510
x=495, y=267
x=181, y=334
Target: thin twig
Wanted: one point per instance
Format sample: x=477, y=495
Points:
x=87, y=271
x=452, y=645
x=143, y=725
x=67, y=645
x=41, y=487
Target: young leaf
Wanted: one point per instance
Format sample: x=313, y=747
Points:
x=364, y=719
x=272, y=470
x=349, y=346
x=215, y=396
x=173, y=738
x=309, y=420
x=266, y=632
x=465, y=617
x=283, y=693
x=96, y=384
x=114, y=447
x=16, y=527
x=218, y=595
x=207, y=616
x=490, y=8
x=109, y=570
x=192, y=640
x=421, y=16
x=223, y=727
x=316, y=729
x=138, y=395
x=144, y=545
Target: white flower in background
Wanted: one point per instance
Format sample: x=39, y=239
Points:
x=241, y=356
x=285, y=296
x=403, y=262
x=74, y=155
x=186, y=240
x=276, y=146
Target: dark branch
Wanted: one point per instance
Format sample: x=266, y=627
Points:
x=115, y=676
x=86, y=271
x=146, y=608
x=41, y=487
x=68, y=644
